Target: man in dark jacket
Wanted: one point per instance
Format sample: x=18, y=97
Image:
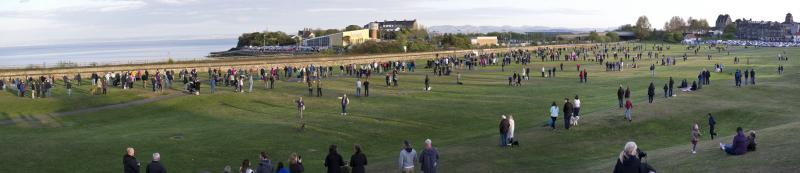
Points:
x=671, y=85
x=568, y=109
x=334, y=161
x=739, y=145
x=628, y=92
x=620, y=94
x=711, y=124
x=358, y=161
x=429, y=158
x=504, y=126
x=266, y=165
x=651, y=91
x=155, y=166
x=129, y=163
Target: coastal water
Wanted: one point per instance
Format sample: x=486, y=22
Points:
x=123, y=52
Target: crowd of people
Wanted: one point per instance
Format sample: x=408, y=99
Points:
x=409, y=161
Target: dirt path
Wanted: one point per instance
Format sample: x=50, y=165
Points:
x=45, y=118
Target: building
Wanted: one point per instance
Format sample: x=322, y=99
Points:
x=767, y=30
x=384, y=30
x=306, y=33
x=484, y=41
x=342, y=39
x=722, y=22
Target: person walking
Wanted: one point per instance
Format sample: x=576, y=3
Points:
x=333, y=161
x=651, y=92
x=155, y=166
x=358, y=160
x=620, y=95
x=429, y=159
x=129, y=163
x=504, y=125
x=752, y=76
x=408, y=156
x=695, y=137
x=628, y=161
x=427, y=83
x=711, y=123
x=553, y=115
x=628, y=110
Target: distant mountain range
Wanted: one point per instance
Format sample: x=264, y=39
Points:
x=506, y=28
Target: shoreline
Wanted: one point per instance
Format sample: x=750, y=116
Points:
x=203, y=65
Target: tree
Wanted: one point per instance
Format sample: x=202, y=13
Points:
x=594, y=37
x=626, y=27
x=730, y=32
x=642, y=28
x=612, y=36
x=352, y=28
x=698, y=25
x=675, y=24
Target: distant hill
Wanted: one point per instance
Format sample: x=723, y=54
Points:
x=525, y=28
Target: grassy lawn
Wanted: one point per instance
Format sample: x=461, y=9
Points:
x=207, y=132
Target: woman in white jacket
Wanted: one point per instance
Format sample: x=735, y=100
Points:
x=510, y=129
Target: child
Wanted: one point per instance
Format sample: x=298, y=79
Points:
x=695, y=137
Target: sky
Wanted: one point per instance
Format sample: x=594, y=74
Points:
x=32, y=22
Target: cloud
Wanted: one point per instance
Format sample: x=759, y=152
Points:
x=24, y=1
x=316, y=10
x=176, y=2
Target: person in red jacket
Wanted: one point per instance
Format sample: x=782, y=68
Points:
x=628, y=110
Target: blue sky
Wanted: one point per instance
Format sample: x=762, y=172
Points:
x=64, y=21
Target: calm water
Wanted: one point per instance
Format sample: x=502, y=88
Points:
x=112, y=53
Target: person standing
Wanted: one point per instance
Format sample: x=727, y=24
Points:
x=333, y=161
x=68, y=83
x=651, y=92
x=358, y=87
x=746, y=76
x=129, y=163
x=671, y=85
x=245, y=168
x=628, y=161
x=427, y=83
x=568, y=108
x=358, y=160
x=511, y=127
x=366, y=88
x=295, y=164
x=155, y=165
x=408, y=156
x=345, y=102
x=301, y=106
x=429, y=159
x=628, y=110
x=265, y=166
x=576, y=103
x=250, y=83
x=620, y=95
x=504, y=125
x=628, y=92
x=553, y=115
x=711, y=124
x=695, y=137
x=319, y=88
x=752, y=76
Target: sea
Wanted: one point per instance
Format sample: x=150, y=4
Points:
x=104, y=53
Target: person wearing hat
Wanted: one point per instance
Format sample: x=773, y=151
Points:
x=429, y=158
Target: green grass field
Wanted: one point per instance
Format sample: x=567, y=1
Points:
x=207, y=132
